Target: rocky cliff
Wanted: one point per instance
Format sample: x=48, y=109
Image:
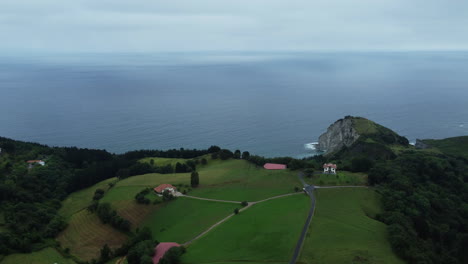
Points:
x=350, y=131
x=339, y=134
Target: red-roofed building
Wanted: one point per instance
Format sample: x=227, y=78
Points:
x=273, y=166
x=161, y=249
x=165, y=187
x=329, y=168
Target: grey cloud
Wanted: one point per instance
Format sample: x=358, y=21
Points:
x=141, y=25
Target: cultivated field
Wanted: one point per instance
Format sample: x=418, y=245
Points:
x=266, y=232
x=47, y=255
x=82, y=199
x=343, y=230
x=341, y=178
x=86, y=235
x=185, y=218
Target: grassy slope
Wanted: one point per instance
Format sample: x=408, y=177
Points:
x=183, y=219
x=239, y=180
x=341, y=178
x=266, y=232
x=47, y=255
x=452, y=146
x=341, y=231
x=85, y=235
x=81, y=199
x=163, y=161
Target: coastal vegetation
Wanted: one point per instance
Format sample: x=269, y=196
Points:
x=91, y=205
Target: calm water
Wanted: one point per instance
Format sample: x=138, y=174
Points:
x=269, y=104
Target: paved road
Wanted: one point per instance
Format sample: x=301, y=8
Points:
x=309, y=189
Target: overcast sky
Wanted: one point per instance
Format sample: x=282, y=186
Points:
x=225, y=25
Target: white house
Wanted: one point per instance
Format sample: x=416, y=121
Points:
x=329, y=168
x=32, y=163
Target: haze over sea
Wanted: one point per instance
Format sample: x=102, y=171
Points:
x=270, y=104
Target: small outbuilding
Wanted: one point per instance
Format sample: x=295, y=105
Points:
x=329, y=168
x=274, y=166
x=165, y=187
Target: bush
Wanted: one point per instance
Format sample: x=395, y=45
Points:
x=236, y=211
x=244, y=203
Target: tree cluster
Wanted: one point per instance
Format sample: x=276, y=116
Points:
x=425, y=199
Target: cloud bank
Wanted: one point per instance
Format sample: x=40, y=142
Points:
x=245, y=25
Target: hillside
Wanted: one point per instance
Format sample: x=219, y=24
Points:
x=359, y=136
x=456, y=146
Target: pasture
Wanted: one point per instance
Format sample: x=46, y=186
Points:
x=341, y=178
x=184, y=218
x=343, y=229
x=240, y=180
x=266, y=232
x=47, y=255
x=160, y=162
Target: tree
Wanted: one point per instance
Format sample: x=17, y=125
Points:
x=236, y=211
x=204, y=161
x=245, y=155
x=244, y=203
x=98, y=194
x=106, y=254
x=237, y=154
x=194, y=179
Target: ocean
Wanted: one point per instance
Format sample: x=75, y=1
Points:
x=271, y=104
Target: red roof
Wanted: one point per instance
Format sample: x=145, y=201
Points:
x=162, y=187
x=34, y=161
x=161, y=249
x=273, y=166
x=329, y=165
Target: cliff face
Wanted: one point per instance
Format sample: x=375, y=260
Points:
x=339, y=134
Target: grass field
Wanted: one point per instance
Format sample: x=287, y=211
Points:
x=45, y=256
x=342, y=231
x=185, y=218
x=240, y=180
x=163, y=161
x=85, y=235
x=341, y=178
x=79, y=200
x=266, y=232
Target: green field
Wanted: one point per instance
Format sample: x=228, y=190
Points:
x=81, y=199
x=342, y=230
x=163, y=161
x=266, y=232
x=185, y=218
x=240, y=180
x=85, y=235
x=341, y=178
x=45, y=256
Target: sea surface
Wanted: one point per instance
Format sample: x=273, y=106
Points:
x=271, y=104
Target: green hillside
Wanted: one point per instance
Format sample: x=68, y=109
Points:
x=44, y=256
x=457, y=146
x=265, y=233
x=343, y=229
